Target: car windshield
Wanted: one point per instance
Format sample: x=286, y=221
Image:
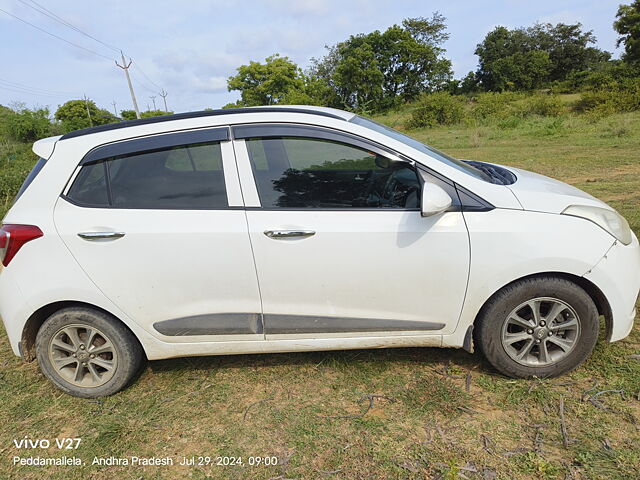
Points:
x=413, y=143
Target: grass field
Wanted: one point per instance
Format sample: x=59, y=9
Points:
x=405, y=413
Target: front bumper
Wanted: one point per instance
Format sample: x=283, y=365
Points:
x=617, y=275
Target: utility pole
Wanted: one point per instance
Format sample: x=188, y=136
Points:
x=164, y=94
x=125, y=66
x=153, y=99
x=115, y=110
x=86, y=104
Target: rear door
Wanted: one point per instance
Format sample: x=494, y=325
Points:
x=159, y=225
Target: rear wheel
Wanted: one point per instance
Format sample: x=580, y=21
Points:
x=87, y=353
x=542, y=327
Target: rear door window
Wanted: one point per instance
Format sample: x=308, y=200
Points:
x=90, y=186
x=181, y=177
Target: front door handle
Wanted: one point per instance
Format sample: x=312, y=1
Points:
x=278, y=234
x=93, y=236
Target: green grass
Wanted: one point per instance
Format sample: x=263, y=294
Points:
x=308, y=409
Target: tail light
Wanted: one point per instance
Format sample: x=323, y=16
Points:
x=13, y=237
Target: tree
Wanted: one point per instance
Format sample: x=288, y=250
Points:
x=504, y=55
x=378, y=70
x=469, y=84
x=73, y=115
x=568, y=48
x=522, y=71
x=24, y=125
x=498, y=44
x=5, y=117
x=628, y=26
x=358, y=76
x=266, y=83
x=131, y=114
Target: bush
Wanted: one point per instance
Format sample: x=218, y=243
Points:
x=24, y=125
x=509, y=123
x=492, y=105
x=606, y=75
x=76, y=114
x=545, y=127
x=624, y=98
x=16, y=161
x=131, y=114
x=440, y=108
x=543, y=105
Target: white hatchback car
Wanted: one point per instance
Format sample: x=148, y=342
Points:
x=281, y=229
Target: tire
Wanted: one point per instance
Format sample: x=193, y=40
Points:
x=64, y=346
x=520, y=344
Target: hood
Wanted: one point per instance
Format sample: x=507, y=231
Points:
x=543, y=194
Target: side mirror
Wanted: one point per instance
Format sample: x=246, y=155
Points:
x=386, y=162
x=434, y=199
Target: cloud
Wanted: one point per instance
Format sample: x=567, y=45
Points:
x=200, y=62
x=564, y=16
x=301, y=8
x=191, y=48
x=210, y=84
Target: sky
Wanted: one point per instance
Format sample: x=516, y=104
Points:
x=189, y=48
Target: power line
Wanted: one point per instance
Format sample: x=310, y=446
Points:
x=30, y=91
x=143, y=85
x=56, y=36
x=34, y=89
x=51, y=15
x=145, y=76
x=44, y=11
x=26, y=92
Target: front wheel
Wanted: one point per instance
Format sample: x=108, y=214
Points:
x=542, y=327
x=87, y=353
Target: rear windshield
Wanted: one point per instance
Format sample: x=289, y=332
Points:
x=421, y=147
x=31, y=177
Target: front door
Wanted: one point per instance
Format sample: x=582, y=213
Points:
x=340, y=245
x=158, y=225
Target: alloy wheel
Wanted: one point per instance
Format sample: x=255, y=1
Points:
x=83, y=355
x=540, y=331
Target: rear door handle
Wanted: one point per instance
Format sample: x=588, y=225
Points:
x=92, y=236
x=278, y=234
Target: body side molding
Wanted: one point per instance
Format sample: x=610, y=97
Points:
x=213, y=324
x=252, y=323
x=296, y=324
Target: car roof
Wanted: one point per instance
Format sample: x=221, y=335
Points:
x=308, y=109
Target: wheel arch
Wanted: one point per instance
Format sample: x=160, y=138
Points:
x=600, y=300
x=27, y=343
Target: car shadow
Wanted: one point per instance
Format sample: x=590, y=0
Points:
x=429, y=357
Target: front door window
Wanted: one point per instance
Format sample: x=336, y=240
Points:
x=298, y=172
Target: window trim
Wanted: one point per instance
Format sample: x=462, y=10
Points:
x=271, y=130
x=155, y=142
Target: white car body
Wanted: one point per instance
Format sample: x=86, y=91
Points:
x=426, y=278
